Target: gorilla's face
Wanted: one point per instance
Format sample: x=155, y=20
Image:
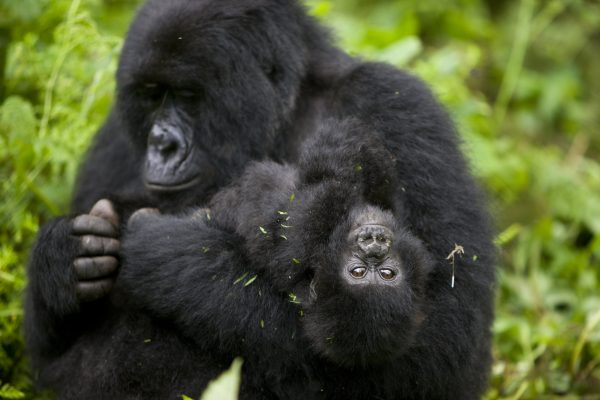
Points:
x=378, y=269
x=207, y=88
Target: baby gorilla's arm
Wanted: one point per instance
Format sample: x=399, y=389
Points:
x=191, y=272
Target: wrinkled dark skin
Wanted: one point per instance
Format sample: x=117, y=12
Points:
x=97, y=261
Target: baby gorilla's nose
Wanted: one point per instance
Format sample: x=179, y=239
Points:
x=374, y=240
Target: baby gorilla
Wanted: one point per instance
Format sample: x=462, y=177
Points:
x=357, y=273
x=352, y=275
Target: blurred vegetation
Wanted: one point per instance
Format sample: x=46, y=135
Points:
x=521, y=79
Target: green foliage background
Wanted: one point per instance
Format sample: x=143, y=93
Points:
x=521, y=79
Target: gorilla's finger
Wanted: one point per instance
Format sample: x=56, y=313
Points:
x=140, y=214
x=95, y=267
x=98, y=246
x=105, y=209
x=93, y=290
x=89, y=224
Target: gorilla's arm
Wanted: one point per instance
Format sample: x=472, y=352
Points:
x=74, y=260
x=192, y=273
x=72, y=267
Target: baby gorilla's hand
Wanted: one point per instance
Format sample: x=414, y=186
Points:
x=97, y=261
x=139, y=216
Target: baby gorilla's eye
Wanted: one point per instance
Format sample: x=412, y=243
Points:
x=358, y=272
x=387, y=274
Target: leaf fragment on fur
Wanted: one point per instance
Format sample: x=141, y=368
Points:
x=458, y=250
x=241, y=278
x=295, y=261
x=293, y=298
x=249, y=282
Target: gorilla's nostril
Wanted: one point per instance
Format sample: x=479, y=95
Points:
x=167, y=148
x=163, y=142
x=376, y=249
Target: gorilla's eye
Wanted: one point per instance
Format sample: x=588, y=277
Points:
x=387, y=274
x=185, y=94
x=151, y=91
x=358, y=272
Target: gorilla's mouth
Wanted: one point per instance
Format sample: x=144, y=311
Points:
x=179, y=171
x=173, y=187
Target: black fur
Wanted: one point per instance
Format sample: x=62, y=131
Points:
x=266, y=85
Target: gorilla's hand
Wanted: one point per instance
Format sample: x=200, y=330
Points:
x=97, y=260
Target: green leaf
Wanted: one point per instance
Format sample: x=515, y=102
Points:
x=9, y=392
x=227, y=385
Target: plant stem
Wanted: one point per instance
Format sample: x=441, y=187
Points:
x=515, y=61
x=4, y=42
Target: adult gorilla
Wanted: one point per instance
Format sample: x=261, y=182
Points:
x=204, y=87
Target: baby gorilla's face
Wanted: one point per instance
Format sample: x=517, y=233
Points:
x=371, y=260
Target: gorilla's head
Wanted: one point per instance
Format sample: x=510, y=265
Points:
x=206, y=85
x=374, y=268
